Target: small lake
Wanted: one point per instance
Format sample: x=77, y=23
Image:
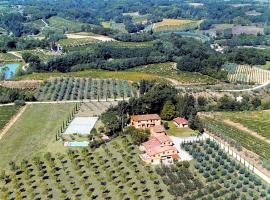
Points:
x=11, y=69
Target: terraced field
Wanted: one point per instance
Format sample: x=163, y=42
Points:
x=248, y=74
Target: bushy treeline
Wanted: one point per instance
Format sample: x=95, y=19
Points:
x=8, y=95
x=160, y=99
x=191, y=55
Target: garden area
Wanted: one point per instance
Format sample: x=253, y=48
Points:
x=179, y=132
x=58, y=89
x=34, y=132
x=6, y=113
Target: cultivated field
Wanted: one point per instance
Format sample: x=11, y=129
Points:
x=98, y=74
x=59, y=89
x=225, y=177
x=168, y=70
x=258, y=121
x=34, y=132
x=113, y=171
x=6, y=113
x=175, y=24
x=247, y=74
x=225, y=131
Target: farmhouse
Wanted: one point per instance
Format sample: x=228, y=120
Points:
x=180, y=122
x=159, y=148
x=145, y=121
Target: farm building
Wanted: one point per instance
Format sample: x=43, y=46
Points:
x=180, y=122
x=145, y=121
x=159, y=148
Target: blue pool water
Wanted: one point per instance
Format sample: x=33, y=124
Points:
x=11, y=69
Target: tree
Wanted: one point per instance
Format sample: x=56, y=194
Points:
x=138, y=136
x=168, y=111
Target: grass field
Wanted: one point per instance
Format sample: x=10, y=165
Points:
x=34, y=132
x=179, y=132
x=6, y=113
x=258, y=121
x=168, y=70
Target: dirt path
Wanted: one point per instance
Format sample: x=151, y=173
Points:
x=11, y=122
x=245, y=129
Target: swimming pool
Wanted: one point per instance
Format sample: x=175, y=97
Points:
x=11, y=69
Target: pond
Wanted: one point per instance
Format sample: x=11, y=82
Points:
x=11, y=69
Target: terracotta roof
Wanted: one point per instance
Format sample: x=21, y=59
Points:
x=153, y=142
x=158, y=129
x=159, y=149
x=145, y=117
x=180, y=120
x=163, y=138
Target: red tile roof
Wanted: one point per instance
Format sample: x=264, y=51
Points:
x=163, y=138
x=180, y=120
x=158, y=129
x=137, y=118
x=159, y=149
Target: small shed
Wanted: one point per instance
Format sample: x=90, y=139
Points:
x=180, y=122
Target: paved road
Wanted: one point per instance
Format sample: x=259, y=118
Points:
x=249, y=89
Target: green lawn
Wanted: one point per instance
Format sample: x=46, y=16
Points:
x=179, y=132
x=34, y=132
x=6, y=113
